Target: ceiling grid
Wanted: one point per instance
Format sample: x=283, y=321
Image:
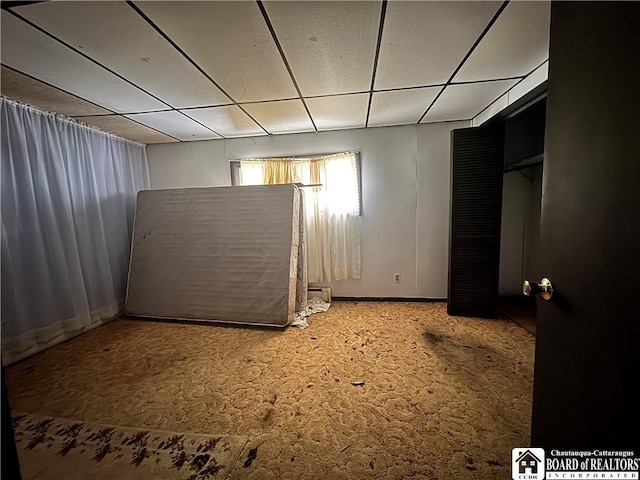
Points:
x=187, y=57
x=284, y=59
x=166, y=71
x=383, y=12
x=473, y=47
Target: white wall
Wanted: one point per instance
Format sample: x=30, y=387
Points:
x=405, y=195
x=521, y=195
x=532, y=233
x=516, y=191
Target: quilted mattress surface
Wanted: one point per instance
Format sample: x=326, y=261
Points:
x=224, y=254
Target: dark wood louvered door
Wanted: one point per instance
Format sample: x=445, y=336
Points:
x=476, y=212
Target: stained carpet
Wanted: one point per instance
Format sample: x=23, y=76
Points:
x=370, y=390
x=55, y=448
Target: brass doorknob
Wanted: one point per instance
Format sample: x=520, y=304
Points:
x=544, y=288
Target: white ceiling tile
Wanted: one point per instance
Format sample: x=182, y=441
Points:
x=20, y=87
x=424, y=42
x=127, y=128
x=496, y=107
x=516, y=44
x=175, y=124
x=336, y=113
x=228, y=121
x=330, y=46
x=231, y=42
x=32, y=52
x=113, y=34
x=286, y=116
x=400, y=107
x=463, y=102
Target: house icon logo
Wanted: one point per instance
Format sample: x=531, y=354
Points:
x=527, y=464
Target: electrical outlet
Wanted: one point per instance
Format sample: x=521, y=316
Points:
x=396, y=278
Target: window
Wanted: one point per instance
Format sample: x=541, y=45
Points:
x=331, y=187
x=338, y=176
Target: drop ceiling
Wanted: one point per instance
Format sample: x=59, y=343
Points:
x=174, y=71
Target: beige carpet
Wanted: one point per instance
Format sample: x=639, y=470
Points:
x=369, y=390
x=55, y=448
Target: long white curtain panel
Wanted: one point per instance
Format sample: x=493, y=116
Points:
x=332, y=208
x=68, y=200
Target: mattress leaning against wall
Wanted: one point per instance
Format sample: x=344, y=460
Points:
x=221, y=254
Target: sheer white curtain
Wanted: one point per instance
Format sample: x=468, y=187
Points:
x=68, y=200
x=332, y=209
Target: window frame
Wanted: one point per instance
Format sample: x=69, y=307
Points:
x=234, y=169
